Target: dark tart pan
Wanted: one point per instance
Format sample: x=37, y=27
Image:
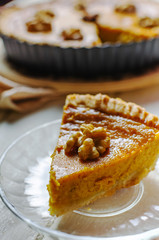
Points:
x=95, y=61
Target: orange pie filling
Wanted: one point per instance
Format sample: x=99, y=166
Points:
x=131, y=154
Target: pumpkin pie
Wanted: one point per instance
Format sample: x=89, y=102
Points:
x=104, y=144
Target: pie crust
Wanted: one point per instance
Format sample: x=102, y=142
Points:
x=116, y=106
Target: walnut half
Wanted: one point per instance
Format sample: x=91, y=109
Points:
x=38, y=25
x=88, y=150
x=90, y=141
x=72, y=142
x=72, y=34
x=41, y=22
x=125, y=8
x=148, y=22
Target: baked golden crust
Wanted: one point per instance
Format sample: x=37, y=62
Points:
x=115, y=106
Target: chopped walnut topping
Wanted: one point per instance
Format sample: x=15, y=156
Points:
x=86, y=129
x=72, y=142
x=125, y=8
x=38, y=25
x=87, y=150
x=147, y=22
x=72, y=34
x=99, y=133
x=91, y=142
x=45, y=14
x=81, y=140
x=102, y=145
x=90, y=18
x=41, y=22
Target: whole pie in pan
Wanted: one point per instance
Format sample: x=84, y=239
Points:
x=104, y=144
x=88, y=38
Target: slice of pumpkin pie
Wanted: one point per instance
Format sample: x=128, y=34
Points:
x=104, y=144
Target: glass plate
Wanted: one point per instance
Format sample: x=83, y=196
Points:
x=24, y=174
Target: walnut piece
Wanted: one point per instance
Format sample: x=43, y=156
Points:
x=99, y=133
x=102, y=145
x=41, y=22
x=90, y=18
x=148, y=22
x=72, y=142
x=86, y=129
x=90, y=141
x=87, y=150
x=38, y=25
x=72, y=34
x=125, y=8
